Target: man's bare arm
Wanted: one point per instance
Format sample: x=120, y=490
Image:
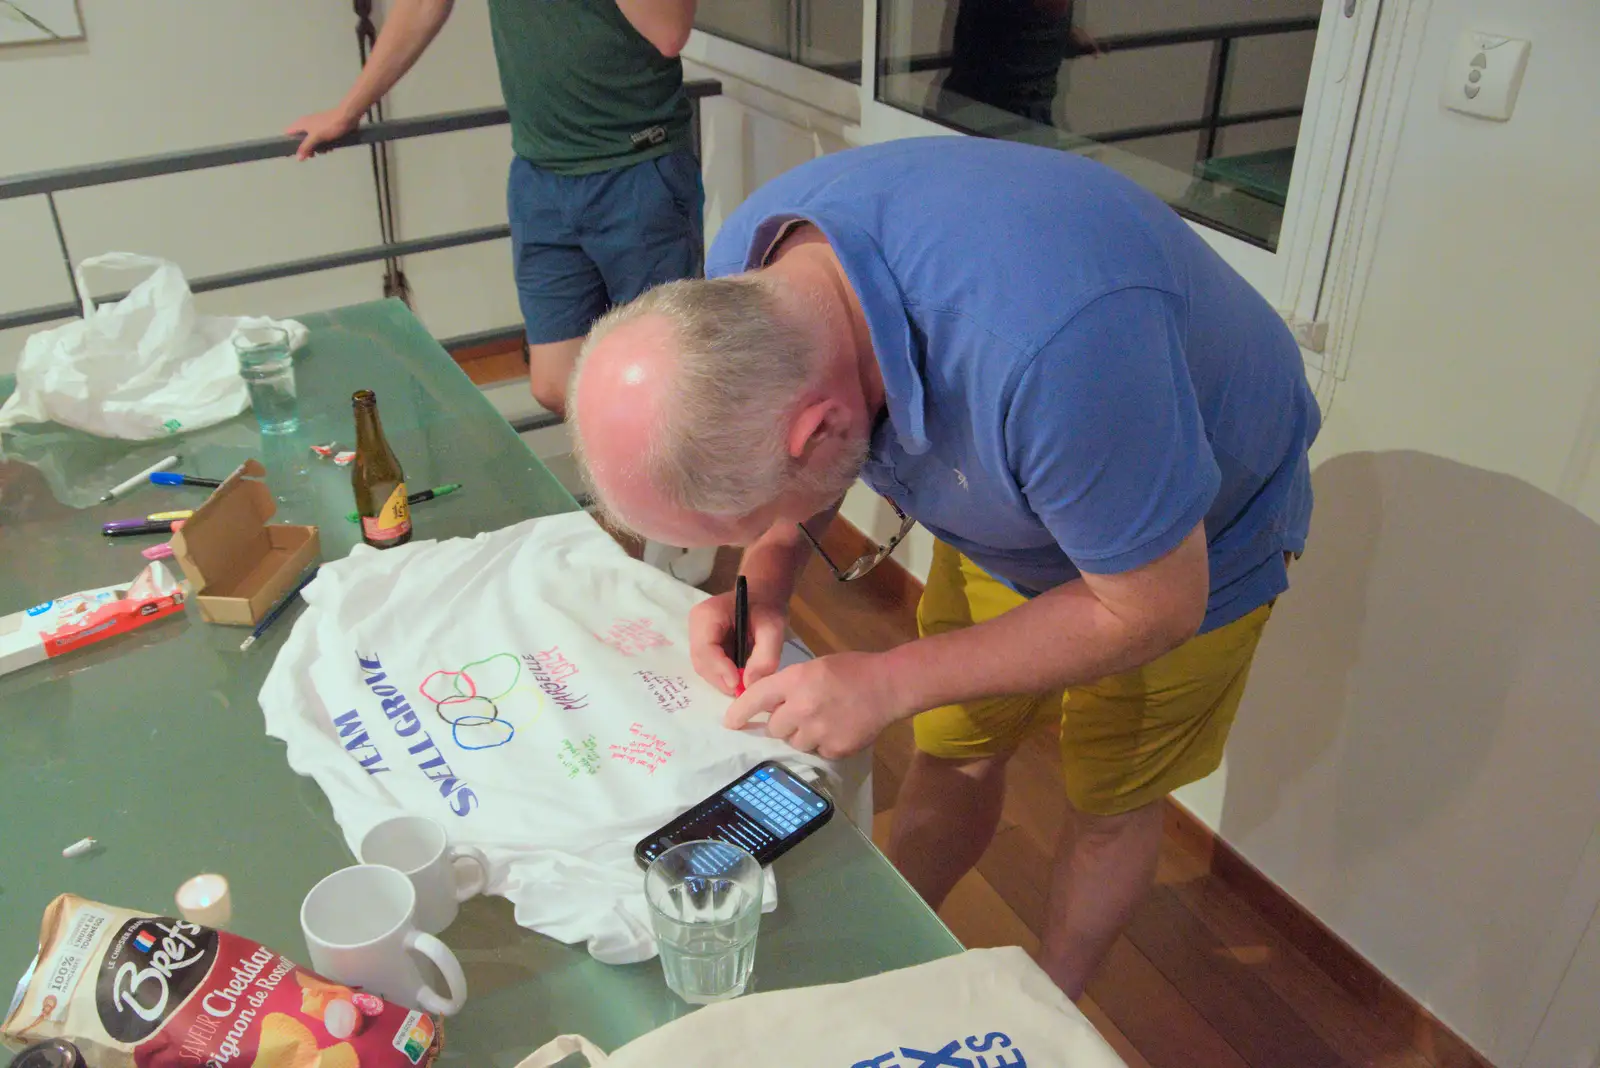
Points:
x=408, y=30
x=664, y=23
x=1073, y=634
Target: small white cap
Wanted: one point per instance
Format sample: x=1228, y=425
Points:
x=78, y=848
x=205, y=900
x=341, y=1018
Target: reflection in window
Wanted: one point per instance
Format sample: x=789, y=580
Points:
x=1199, y=101
x=824, y=35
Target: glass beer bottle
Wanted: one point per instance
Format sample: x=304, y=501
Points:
x=379, y=484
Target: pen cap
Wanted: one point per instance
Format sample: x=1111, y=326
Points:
x=115, y=530
x=166, y=478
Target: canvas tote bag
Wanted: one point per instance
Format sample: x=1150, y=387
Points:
x=985, y=1008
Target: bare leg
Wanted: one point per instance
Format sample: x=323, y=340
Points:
x=944, y=818
x=549, y=367
x=1104, y=867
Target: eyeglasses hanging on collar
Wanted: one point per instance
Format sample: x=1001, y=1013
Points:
x=870, y=560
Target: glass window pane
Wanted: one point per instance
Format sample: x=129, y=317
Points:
x=1198, y=100
x=824, y=35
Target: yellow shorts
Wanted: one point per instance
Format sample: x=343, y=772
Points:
x=1126, y=740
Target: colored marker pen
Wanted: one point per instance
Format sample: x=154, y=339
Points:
x=153, y=517
x=173, y=478
x=123, y=528
x=741, y=629
x=418, y=497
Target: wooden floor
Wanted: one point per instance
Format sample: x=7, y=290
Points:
x=1199, y=980
x=496, y=362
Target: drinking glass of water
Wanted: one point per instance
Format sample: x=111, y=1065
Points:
x=267, y=368
x=705, y=906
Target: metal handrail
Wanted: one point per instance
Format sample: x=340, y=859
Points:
x=198, y=159
x=1195, y=34
x=49, y=183
x=1122, y=42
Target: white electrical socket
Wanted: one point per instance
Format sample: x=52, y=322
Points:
x=1484, y=75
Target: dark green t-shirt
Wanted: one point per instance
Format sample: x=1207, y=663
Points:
x=581, y=84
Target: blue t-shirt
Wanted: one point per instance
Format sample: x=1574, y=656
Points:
x=1074, y=379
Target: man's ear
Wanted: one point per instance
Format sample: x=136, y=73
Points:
x=815, y=423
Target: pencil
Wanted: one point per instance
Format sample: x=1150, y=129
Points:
x=278, y=609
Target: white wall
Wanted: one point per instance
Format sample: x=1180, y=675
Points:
x=161, y=75
x=1416, y=760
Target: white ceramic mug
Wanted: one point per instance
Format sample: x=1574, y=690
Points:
x=359, y=927
x=419, y=848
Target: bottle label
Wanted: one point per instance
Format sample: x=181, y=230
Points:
x=392, y=520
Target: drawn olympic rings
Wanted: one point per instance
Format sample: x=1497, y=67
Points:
x=471, y=711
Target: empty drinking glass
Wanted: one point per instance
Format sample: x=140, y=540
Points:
x=705, y=906
x=267, y=368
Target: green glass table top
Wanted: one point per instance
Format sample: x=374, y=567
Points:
x=153, y=743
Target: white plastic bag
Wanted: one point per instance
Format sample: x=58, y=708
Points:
x=145, y=367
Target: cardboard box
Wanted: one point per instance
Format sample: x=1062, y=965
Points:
x=78, y=619
x=239, y=565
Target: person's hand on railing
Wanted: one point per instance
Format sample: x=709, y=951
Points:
x=1084, y=44
x=408, y=29
x=319, y=129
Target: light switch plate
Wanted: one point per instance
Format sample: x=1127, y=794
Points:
x=1484, y=75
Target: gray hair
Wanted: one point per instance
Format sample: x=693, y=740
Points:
x=744, y=365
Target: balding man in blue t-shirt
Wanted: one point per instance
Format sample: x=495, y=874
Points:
x=1103, y=425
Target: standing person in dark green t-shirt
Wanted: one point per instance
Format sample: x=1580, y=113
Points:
x=605, y=198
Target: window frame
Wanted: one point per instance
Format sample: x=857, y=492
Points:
x=1291, y=276
x=803, y=86
x=1294, y=277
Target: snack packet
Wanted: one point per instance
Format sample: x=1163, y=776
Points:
x=78, y=619
x=137, y=991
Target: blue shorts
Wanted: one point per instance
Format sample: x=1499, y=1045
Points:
x=582, y=243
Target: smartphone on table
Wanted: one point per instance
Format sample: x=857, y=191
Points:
x=766, y=811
